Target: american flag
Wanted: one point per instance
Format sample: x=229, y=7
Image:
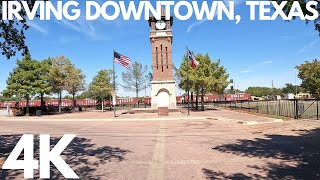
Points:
x=193, y=60
x=122, y=60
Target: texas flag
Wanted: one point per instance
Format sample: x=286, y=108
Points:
x=194, y=62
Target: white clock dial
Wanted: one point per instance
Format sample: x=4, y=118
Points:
x=160, y=25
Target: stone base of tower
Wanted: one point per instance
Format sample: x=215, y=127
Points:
x=163, y=94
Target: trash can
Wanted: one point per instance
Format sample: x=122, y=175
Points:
x=38, y=112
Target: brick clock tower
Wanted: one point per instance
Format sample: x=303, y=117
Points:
x=163, y=89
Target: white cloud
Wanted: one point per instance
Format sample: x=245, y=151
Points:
x=266, y=62
x=198, y=23
x=82, y=26
x=245, y=71
x=87, y=28
x=250, y=68
x=287, y=37
x=309, y=46
x=37, y=27
x=67, y=24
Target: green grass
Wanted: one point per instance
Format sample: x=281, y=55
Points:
x=283, y=108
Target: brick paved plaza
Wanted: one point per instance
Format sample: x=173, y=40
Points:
x=207, y=145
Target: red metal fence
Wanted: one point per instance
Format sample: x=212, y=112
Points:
x=124, y=101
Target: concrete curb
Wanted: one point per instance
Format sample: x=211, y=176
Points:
x=186, y=118
x=249, y=123
x=107, y=119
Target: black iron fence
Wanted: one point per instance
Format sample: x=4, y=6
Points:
x=298, y=109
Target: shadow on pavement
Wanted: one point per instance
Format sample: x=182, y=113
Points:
x=303, y=149
x=83, y=156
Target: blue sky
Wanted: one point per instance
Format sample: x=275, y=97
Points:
x=255, y=53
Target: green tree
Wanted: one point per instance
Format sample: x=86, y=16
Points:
x=41, y=84
x=309, y=73
x=263, y=91
x=208, y=77
x=288, y=6
x=75, y=82
x=182, y=74
x=230, y=91
x=12, y=33
x=219, y=80
x=22, y=79
x=5, y=97
x=136, y=78
x=58, y=75
x=83, y=95
x=101, y=86
x=67, y=97
x=45, y=98
x=290, y=88
x=2, y=98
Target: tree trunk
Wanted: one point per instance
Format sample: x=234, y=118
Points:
x=202, y=100
x=102, y=105
x=27, y=105
x=42, y=102
x=59, y=101
x=110, y=99
x=137, y=90
x=191, y=100
x=73, y=103
x=197, y=96
x=137, y=93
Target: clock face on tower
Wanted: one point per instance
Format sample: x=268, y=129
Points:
x=160, y=25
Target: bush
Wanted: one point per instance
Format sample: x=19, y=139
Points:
x=18, y=111
x=67, y=109
x=32, y=110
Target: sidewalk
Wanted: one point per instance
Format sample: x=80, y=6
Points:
x=221, y=115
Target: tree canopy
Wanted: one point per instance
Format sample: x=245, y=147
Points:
x=12, y=33
x=268, y=91
x=42, y=85
x=59, y=73
x=309, y=73
x=75, y=81
x=263, y=91
x=101, y=85
x=136, y=78
x=63, y=75
x=303, y=3
x=290, y=88
x=22, y=80
x=208, y=77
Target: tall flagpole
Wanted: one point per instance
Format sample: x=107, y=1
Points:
x=114, y=89
x=188, y=84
